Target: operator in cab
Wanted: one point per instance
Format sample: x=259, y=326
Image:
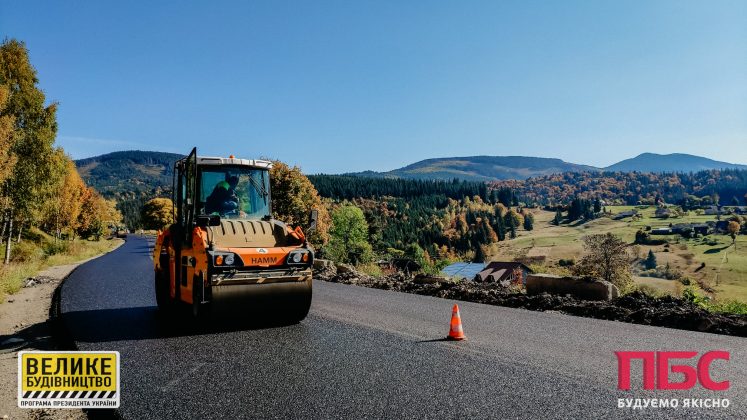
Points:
x=223, y=200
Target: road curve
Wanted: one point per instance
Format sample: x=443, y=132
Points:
x=371, y=353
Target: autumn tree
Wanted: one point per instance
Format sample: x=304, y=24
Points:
x=293, y=198
x=157, y=214
x=348, y=236
x=7, y=159
x=733, y=229
x=513, y=219
x=97, y=213
x=37, y=171
x=606, y=257
x=64, y=209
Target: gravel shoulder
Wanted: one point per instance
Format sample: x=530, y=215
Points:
x=25, y=325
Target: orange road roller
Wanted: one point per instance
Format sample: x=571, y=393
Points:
x=225, y=249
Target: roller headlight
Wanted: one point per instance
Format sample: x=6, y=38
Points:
x=226, y=259
x=299, y=256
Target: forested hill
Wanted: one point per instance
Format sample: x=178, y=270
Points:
x=482, y=168
x=673, y=162
x=130, y=177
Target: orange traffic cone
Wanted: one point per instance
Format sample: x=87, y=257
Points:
x=455, y=331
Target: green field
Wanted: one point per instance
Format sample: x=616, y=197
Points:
x=725, y=270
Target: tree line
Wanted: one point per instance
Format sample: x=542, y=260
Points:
x=39, y=184
x=348, y=187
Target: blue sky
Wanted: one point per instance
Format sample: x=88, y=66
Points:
x=337, y=86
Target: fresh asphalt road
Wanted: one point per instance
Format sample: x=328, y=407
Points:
x=371, y=353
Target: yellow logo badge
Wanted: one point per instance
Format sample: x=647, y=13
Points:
x=68, y=379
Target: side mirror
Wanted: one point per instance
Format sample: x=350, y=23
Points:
x=313, y=217
x=206, y=220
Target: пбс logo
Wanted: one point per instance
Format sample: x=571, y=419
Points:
x=658, y=377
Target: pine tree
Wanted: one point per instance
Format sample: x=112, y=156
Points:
x=558, y=218
x=528, y=221
x=650, y=262
x=512, y=234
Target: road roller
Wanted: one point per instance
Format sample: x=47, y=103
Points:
x=225, y=250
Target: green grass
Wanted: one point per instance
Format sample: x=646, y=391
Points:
x=38, y=251
x=13, y=275
x=371, y=269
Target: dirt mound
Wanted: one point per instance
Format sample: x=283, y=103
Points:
x=635, y=307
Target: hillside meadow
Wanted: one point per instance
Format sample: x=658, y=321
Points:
x=724, y=275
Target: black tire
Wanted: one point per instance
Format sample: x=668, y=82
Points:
x=162, y=291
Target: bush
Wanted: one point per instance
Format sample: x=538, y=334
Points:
x=26, y=251
x=663, y=272
x=371, y=269
x=690, y=295
x=54, y=248
x=567, y=262
x=649, y=291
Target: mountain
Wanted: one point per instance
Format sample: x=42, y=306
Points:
x=130, y=171
x=131, y=178
x=674, y=162
x=482, y=168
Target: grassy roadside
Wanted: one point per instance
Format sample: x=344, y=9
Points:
x=39, y=251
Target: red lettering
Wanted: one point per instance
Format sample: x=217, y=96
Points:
x=623, y=368
x=704, y=374
x=662, y=365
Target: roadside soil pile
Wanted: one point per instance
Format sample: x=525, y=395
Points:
x=635, y=307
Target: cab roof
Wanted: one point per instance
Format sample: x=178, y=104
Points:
x=220, y=161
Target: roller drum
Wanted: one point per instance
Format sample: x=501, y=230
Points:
x=283, y=301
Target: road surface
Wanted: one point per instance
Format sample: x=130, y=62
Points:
x=371, y=353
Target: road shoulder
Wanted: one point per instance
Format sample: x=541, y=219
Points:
x=25, y=325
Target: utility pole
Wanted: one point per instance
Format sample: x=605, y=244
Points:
x=10, y=236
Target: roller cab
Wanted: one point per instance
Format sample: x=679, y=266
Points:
x=225, y=251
